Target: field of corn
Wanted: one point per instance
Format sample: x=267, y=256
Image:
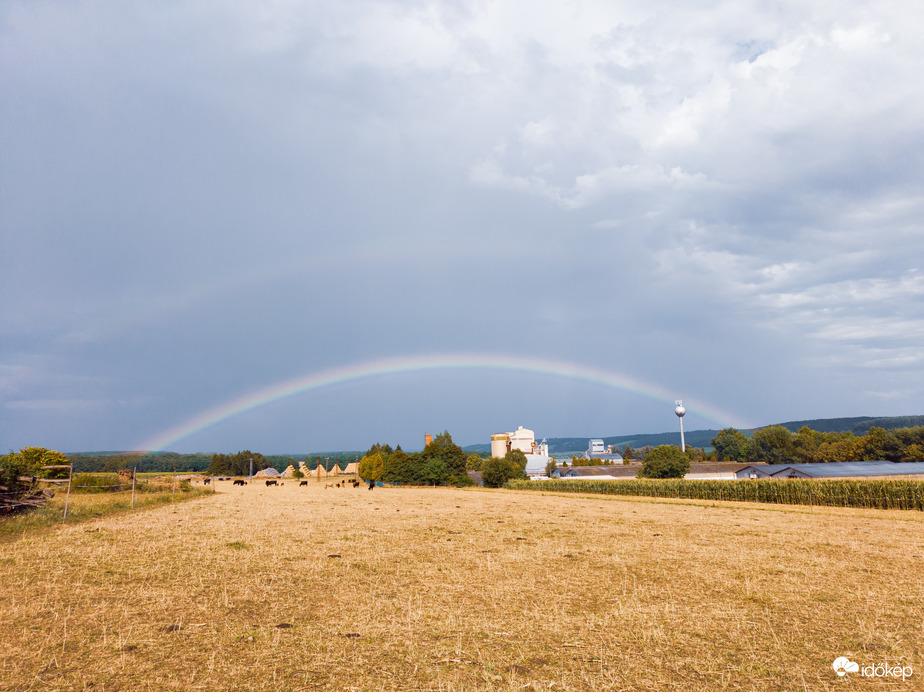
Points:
x=869, y=494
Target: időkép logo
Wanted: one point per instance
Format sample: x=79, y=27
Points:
x=843, y=665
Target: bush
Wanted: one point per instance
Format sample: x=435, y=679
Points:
x=666, y=461
x=496, y=472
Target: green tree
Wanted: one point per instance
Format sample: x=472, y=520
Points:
x=370, y=468
x=666, y=461
x=435, y=471
x=628, y=454
x=29, y=461
x=805, y=443
x=879, y=444
x=550, y=468
x=454, y=459
x=495, y=472
x=236, y=464
x=398, y=468
x=516, y=456
x=770, y=445
x=730, y=445
x=378, y=448
x=474, y=462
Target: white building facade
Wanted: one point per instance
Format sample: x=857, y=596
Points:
x=537, y=454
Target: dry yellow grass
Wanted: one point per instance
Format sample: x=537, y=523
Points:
x=440, y=589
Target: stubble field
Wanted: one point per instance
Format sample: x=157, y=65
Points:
x=439, y=589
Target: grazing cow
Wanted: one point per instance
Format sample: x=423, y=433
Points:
x=269, y=483
x=328, y=485
x=206, y=481
x=371, y=485
x=239, y=481
x=301, y=483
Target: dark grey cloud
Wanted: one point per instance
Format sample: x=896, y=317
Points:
x=197, y=201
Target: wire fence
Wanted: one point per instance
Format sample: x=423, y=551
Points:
x=30, y=495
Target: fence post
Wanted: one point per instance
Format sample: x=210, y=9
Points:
x=134, y=473
x=67, y=498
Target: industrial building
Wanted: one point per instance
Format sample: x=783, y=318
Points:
x=537, y=454
x=597, y=450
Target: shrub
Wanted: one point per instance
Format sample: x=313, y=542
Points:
x=665, y=461
x=98, y=483
x=496, y=472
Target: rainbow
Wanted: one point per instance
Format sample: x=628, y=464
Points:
x=395, y=366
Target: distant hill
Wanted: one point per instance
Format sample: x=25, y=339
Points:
x=858, y=426
x=703, y=438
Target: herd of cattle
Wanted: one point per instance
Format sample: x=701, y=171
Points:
x=355, y=482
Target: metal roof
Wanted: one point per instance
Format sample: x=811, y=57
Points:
x=842, y=469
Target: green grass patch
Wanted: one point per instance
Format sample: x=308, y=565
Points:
x=84, y=506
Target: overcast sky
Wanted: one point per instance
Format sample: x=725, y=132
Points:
x=199, y=200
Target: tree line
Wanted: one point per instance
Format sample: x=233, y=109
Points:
x=442, y=462
x=775, y=444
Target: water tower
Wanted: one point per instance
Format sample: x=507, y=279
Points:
x=680, y=410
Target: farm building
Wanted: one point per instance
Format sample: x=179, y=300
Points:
x=597, y=450
x=720, y=470
x=847, y=469
x=698, y=471
x=601, y=473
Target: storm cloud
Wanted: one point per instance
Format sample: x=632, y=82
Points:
x=201, y=200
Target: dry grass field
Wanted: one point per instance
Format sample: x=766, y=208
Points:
x=294, y=588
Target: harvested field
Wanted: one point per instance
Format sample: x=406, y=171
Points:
x=439, y=589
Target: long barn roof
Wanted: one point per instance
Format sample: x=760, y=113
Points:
x=842, y=469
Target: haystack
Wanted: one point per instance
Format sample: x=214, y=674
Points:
x=336, y=471
x=352, y=467
x=320, y=472
x=289, y=472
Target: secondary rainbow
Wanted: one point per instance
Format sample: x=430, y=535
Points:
x=394, y=366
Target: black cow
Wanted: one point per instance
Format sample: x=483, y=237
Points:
x=206, y=481
x=269, y=483
x=301, y=483
x=371, y=485
x=239, y=481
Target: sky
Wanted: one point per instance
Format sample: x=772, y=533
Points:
x=291, y=226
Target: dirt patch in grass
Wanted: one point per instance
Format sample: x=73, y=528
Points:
x=305, y=588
